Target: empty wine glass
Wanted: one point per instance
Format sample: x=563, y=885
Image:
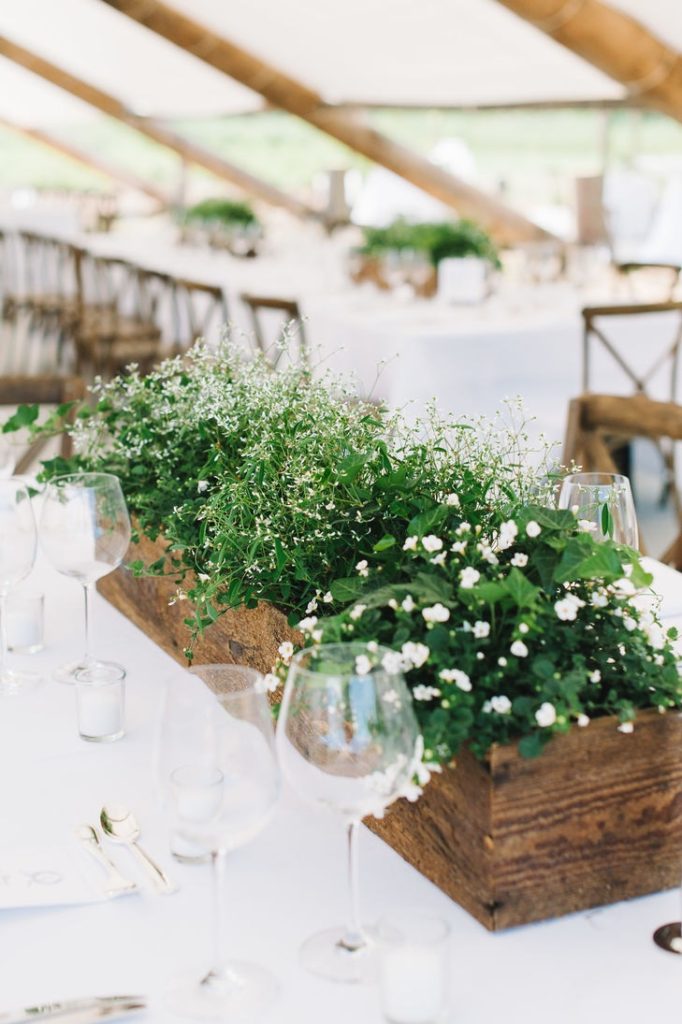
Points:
x=17, y=554
x=85, y=532
x=219, y=796
x=603, y=505
x=346, y=738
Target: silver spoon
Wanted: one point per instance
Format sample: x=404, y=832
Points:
x=121, y=826
x=116, y=883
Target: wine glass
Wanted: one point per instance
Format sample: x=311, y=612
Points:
x=220, y=795
x=18, y=540
x=346, y=738
x=85, y=532
x=603, y=505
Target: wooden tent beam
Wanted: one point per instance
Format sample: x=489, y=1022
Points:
x=153, y=129
x=619, y=45
x=280, y=90
x=87, y=159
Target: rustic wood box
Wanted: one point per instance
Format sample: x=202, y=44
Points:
x=595, y=819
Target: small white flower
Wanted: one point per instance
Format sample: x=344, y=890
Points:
x=425, y=692
x=452, y=500
x=523, y=627
x=659, y=660
x=390, y=697
x=393, y=604
x=487, y=554
x=439, y=559
x=357, y=611
x=519, y=649
x=456, y=676
x=480, y=655
x=363, y=666
x=501, y=705
x=410, y=544
x=545, y=715
x=362, y=568
x=566, y=610
x=459, y=547
x=626, y=727
x=437, y=613
x=595, y=677
x=599, y=599
x=414, y=654
x=583, y=720
x=392, y=662
x=270, y=682
x=408, y=604
x=202, y=486
x=372, y=646
x=520, y=560
x=502, y=662
x=307, y=625
x=469, y=577
x=204, y=577
x=463, y=528
x=481, y=629
x=629, y=623
x=312, y=606
x=533, y=529
x=285, y=650
x=432, y=543
x=507, y=535
x=587, y=526
x=328, y=597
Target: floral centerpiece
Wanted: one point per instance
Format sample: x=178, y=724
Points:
x=438, y=541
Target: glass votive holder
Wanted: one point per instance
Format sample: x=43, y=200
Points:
x=413, y=967
x=25, y=617
x=100, y=702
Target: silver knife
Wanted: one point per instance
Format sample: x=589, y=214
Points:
x=78, y=1011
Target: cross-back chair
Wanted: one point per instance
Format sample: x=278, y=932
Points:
x=288, y=324
x=594, y=421
x=200, y=310
x=50, y=283
x=42, y=389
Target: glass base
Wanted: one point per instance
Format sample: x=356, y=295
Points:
x=241, y=993
x=13, y=683
x=326, y=955
x=67, y=673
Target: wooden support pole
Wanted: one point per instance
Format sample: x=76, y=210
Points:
x=189, y=151
x=280, y=90
x=87, y=159
x=619, y=45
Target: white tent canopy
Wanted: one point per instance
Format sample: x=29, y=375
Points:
x=449, y=53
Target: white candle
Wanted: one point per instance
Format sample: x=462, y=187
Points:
x=413, y=968
x=100, y=705
x=25, y=623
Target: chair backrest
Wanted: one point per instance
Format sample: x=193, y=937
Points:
x=200, y=311
x=44, y=389
x=597, y=423
x=596, y=332
x=268, y=311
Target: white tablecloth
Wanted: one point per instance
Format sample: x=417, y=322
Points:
x=595, y=967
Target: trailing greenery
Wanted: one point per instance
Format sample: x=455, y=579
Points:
x=437, y=241
x=230, y=212
x=507, y=617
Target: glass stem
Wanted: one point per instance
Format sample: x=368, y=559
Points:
x=354, y=937
x=87, y=588
x=219, y=971
x=3, y=634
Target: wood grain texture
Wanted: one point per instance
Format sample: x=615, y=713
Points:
x=595, y=819
x=241, y=636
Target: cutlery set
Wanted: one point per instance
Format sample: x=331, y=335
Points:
x=78, y=1011
x=120, y=826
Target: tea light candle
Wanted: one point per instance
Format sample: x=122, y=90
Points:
x=99, y=697
x=413, y=968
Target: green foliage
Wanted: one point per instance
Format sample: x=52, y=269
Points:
x=223, y=211
x=438, y=240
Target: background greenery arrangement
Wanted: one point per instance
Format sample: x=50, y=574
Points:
x=229, y=212
x=438, y=240
x=435, y=540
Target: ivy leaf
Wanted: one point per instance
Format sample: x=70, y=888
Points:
x=532, y=746
x=386, y=542
x=521, y=590
x=346, y=589
x=23, y=417
x=423, y=523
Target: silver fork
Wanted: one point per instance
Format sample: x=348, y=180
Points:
x=116, y=883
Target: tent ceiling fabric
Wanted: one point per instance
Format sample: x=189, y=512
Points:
x=433, y=53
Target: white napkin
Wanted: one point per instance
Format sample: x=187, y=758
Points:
x=49, y=876
x=667, y=586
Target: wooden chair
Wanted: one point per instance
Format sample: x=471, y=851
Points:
x=200, y=310
x=595, y=421
x=46, y=389
x=116, y=323
x=289, y=323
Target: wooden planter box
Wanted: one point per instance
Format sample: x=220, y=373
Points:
x=595, y=819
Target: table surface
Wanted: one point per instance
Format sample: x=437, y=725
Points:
x=595, y=967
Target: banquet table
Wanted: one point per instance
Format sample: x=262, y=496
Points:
x=595, y=967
